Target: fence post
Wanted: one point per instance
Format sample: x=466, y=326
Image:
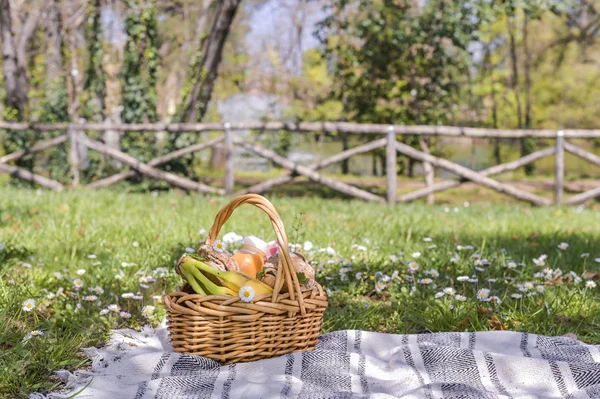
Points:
x=428, y=171
x=229, y=178
x=559, y=167
x=73, y=154
x=390, y=165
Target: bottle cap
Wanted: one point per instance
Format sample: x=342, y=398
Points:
x=255, y=244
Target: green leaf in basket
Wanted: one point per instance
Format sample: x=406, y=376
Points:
x=198, y=257
x=260, y=275
x=302, y=278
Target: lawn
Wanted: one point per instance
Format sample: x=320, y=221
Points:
x=404, y=269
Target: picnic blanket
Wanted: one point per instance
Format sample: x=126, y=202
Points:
x=348, y=364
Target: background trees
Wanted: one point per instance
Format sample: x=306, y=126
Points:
x=504, y=64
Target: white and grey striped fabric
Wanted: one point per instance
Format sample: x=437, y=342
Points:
x=351, y=364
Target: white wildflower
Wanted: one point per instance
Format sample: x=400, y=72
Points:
x=219, y=246
x=246, y=294
x=29, y=305
x=483, y=294
x=147, y=311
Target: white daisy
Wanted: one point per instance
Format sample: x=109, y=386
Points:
x=113, y=308
x=460, y=298
x=483, y=294
x=511, y=265
x=380, y=286
x=308, y=246
x=246, y=294
x=58, y=275
x=426, y=281
x=98, y=290
x=80, y=272
x=528, y=285
x=448, y=291
x=104, y=311
x=427, y=239
x=416, y=255
x=77, y=284
x=128, y=295
x=563, y=246
x=219, y=246
x=147, y=311
x=540, y=288
x=92, y=256
x=590, y=284
x=462, y=278
x=517, y=296
x=539, y=261
x=29, y=305
x=124, y=314
x=90, y=298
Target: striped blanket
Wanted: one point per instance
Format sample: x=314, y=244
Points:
x=349, y=364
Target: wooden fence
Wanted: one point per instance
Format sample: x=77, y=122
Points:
x=383, y=136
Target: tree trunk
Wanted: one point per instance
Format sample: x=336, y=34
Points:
x=54, y=61
x=515, y=71
x=195, y=105
x=15, y=78
x=527, y=144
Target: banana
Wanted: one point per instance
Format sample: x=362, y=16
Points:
x=188, y=266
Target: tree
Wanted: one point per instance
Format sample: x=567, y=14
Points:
x=205, y=65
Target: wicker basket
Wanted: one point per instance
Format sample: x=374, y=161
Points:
x=228, y=330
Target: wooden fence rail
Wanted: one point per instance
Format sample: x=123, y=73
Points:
x=75, y=137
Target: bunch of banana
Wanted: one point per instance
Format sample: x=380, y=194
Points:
x=197, y=272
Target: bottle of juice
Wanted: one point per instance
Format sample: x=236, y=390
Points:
x=251, y=257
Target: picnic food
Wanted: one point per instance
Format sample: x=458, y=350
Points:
x=195, y=271
x=217, y=258
x=304, y=271
x=250, y=258
x=246, y=319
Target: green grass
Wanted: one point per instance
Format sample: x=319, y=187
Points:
x=47, y=232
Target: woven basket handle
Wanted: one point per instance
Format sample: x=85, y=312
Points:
x=285, y=272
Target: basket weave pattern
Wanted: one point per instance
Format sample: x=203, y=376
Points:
x=228, y=330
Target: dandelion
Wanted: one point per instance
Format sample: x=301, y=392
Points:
x=90, y=298
x=563, y=246
x=590, y=284
x=128, y=295
x=483, y=294
x=413, y=267
x=425, y=281
x=58, y=275
x=77, y=284
x=517, y=296
x=80, y=272
x=460, y=298
x=113, y=307
x=416, y=255
x=448, y=291
x=246, y=294
x=462, y=278
x=98, y=290
x=540, y=288
x=219, y=246
x=124, y=314
x=29, y=305
x=147, y=311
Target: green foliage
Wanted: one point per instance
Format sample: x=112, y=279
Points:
x=94, y=83
x=139, y=73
